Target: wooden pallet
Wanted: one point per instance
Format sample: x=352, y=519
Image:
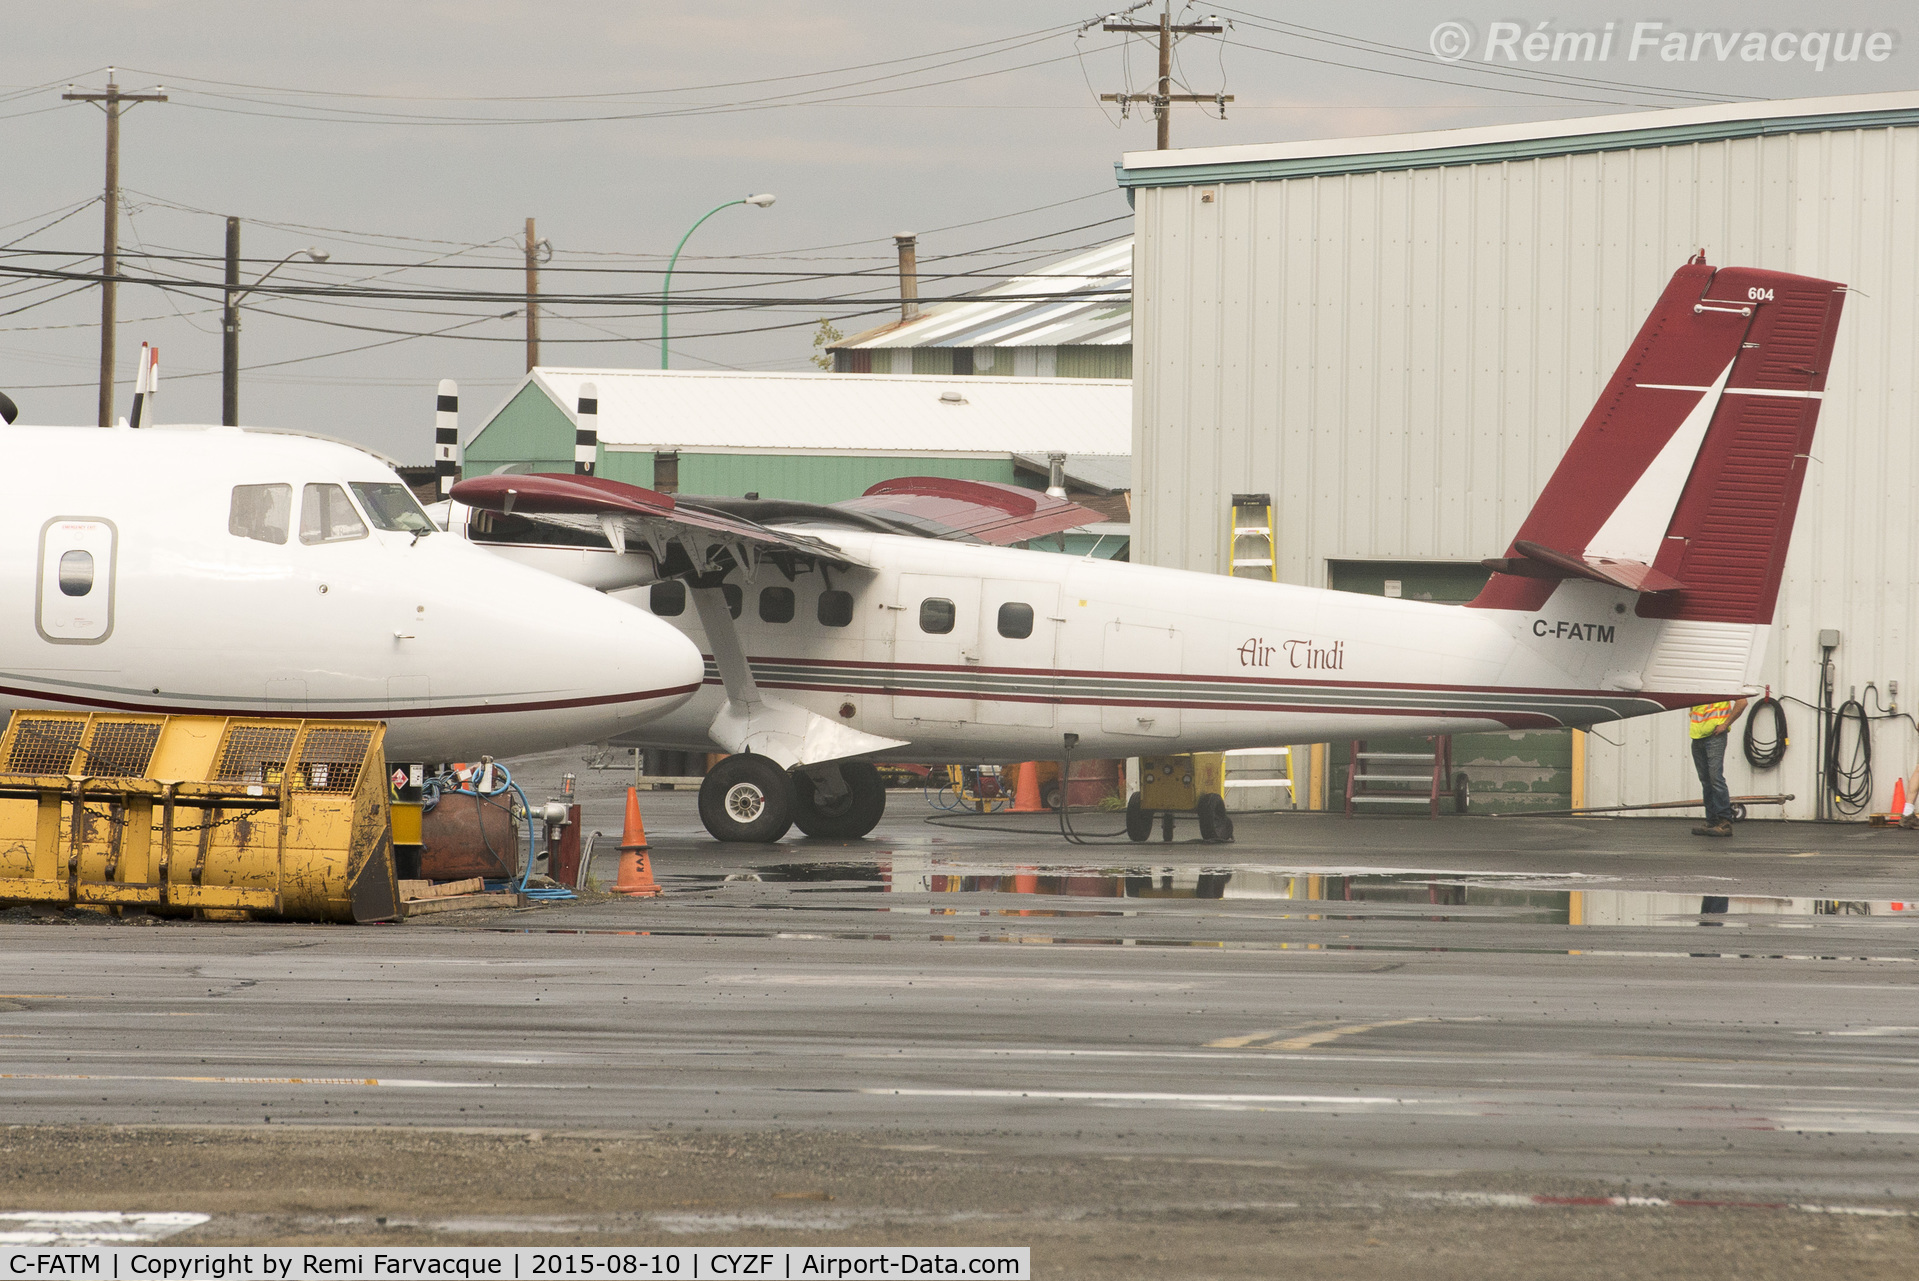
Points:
x=462, y=902
x=421, y=897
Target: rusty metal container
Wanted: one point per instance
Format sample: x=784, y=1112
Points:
x=465, y=836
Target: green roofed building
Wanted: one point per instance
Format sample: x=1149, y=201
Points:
x=817, y=437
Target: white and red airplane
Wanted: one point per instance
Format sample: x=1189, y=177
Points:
x=248, y=573
x=890, y=627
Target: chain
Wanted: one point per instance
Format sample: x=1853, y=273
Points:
x=119, y=820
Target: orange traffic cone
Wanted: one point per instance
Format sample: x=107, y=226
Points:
x=1898, y=798
x=1026, y=799
x=636, y=870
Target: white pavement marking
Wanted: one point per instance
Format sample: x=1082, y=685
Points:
x=38, y=1227
x=389, y=1081
x=1527, y=1201
x=1142, y=1096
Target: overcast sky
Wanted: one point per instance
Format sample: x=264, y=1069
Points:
x=397, y=135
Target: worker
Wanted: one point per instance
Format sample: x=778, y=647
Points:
x=1708, y=724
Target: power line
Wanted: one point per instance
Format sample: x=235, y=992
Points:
x=625, y=93
x=1360, y=44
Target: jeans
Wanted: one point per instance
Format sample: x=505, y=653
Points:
x=1709, y=758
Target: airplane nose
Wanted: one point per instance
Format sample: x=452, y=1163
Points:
x=670, y=662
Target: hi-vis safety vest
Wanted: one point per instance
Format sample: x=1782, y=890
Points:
x=1708, y=719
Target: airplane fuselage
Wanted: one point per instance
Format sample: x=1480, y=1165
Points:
x=1136, y=659
x=211, y=570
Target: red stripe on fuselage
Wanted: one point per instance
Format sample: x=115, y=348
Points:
x=482, y=709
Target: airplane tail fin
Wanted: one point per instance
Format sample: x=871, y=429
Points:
x=1683, y=482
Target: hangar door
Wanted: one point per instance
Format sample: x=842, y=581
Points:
x=1517, y=770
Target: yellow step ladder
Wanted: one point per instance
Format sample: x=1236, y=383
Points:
x=1251, y=550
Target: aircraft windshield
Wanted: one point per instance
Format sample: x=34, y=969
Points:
x=393, y=507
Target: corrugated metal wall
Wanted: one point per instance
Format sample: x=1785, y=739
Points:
x=1401, y=358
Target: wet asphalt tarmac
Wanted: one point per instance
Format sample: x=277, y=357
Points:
x=1522, y=1002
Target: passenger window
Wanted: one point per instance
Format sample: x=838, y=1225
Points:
x=327, y=517
x=776, y=604
x=668, y=599
x=1015, y=620
x=734, y=598
x=836, y=608
x=261, y=512
x=937, y=615
x=76, y=573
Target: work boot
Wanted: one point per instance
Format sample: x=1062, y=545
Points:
x=1722, y=828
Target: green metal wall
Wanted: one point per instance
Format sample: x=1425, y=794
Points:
x=1093, y=362
x=529, y=429
x=818, y=478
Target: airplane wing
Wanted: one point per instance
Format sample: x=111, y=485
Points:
x=969, y=510
x=684, y=537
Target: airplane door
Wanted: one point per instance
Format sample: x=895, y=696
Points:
x=936, y=630
x=1018, y=637
x=75, y=592
x=1135, y=658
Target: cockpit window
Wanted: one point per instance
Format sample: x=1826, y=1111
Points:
x=261, y=512
x=326, y=515
x=391, y=506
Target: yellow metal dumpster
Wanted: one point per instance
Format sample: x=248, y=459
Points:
x=227, y=817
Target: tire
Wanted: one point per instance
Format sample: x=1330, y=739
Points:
x=1051, y=795
x=851, y=816
x=747, y=799
x=1215, y=824
x=1139, y=824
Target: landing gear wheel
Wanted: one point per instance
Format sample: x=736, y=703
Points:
x=848, y=816
x=748, y=799
x=1215, y=824
x=1139, y=824
x=1051, y=796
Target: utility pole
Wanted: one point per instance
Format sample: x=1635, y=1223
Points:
x=533, y=260
x=230, y=332
x=1164, y=98
x=112, y=101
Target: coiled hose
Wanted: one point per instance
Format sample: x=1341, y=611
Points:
x=1766, y=753
x=1849, y=782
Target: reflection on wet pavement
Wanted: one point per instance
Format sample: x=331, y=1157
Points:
x=1346, y=895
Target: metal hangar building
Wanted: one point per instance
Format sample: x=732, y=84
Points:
x=1398, y=336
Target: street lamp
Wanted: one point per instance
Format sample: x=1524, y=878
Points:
x=762, y=201
x=230, y=320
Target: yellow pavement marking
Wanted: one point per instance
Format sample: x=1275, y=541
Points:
x=1241, y=1042
x=1311, y=1039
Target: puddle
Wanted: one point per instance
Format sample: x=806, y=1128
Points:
x=90, y=1227
x=1224, y=945
x=1338, y=895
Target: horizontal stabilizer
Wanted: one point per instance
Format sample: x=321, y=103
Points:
x=1534, y=561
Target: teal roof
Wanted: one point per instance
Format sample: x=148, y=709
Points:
x=1677, y=127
